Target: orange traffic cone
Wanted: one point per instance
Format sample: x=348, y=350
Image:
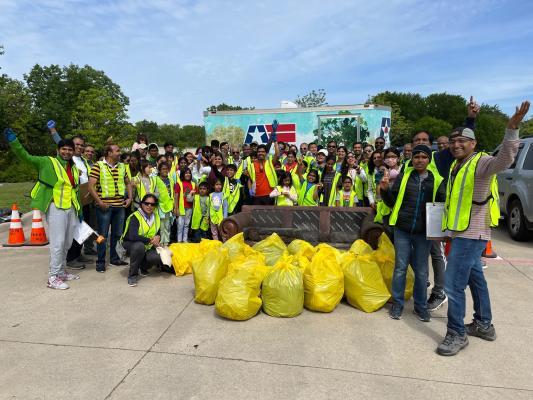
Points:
x=489, y=252
x=16, y=233
x=38, y=234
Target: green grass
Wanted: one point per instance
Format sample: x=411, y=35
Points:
x=16, y=193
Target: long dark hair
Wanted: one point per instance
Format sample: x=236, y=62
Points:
x=371, y=165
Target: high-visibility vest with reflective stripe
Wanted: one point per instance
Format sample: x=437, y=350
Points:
x=358, y=187
x=145, y=230
x=283, y=200
x=240, y=170
x=232, y=197
x=269, y=171
x=64, y=195
x=141, y=189
x=333, y=191
x=437, y=180
x=460, y=194
x=181, y=198
x=199, y=221
x=305, y=197
x=351, y=202
x=216, y=216
x=166, y=196
x=107, y=183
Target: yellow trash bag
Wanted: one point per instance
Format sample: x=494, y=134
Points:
x=323, y=282
x=207, y=273
x=272, y=248
x=238, y=293
x=208, y=244
x=183, y=255
x=299, y=261
x=242, y=261
x=236, y=246
x=283, y=291
x=364, y=286
x=336, y=252
x=360, y=247
x=384, y=255
x=300, y=247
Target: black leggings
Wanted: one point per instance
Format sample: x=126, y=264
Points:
x=140, y=258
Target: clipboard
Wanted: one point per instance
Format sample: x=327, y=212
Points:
x=85, y=195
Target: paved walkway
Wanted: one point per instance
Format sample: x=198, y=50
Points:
x=104, y=340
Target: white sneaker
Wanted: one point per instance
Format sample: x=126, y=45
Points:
x=67, y=276
x=54, y=282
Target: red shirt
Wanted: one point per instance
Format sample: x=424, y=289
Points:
x=262, y=187
x=187, y=187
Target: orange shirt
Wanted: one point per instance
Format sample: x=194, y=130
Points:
x=262, y=187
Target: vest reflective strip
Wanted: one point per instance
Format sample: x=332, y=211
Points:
x=107, y=183
x=465, y=171
x=63, y=180
x=269, y=171
x=181, y=199
x=144, y=229
x=333, y=192
x=232, y=197
x=141, y=189
x=216, y=216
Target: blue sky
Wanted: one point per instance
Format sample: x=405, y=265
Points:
x=175, y=58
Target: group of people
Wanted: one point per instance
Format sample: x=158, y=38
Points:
x=143, y=200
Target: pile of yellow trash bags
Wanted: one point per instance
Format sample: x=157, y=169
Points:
x=240, y=279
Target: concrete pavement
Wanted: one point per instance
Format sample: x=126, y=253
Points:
x=104, y=340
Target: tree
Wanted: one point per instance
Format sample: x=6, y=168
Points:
x=341, y=130
x=98, y=115
x=413, y=105
x=227, y=107
x=315, y=98
x=234, y=135
x=149, y=128
x=526, y=128
x=434, y=126
x=192, y=135
x=490, y=127
x=447, y=107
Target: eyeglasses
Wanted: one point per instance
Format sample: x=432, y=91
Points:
x=331, y=146
x=235, y=152
x=146, y=203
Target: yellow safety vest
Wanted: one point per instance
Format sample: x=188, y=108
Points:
x=351, y=202
x=166, y=198
x=437, y=180
x=107, y=183
x=232, y=197
x=145, y=230
x=141, y=189
x=333, y=192
x=181, y=198
x=269, y=170
x=305, y=196
x=460, y=194
x=64, y=195
x=282, y=200
x=216, y=216
x=198, y=220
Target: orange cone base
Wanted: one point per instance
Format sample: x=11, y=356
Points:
x=16, y=238
x=489, y=252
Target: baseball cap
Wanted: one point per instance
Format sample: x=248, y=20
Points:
x=142, y=146
x=323, y=151
x=464, y=132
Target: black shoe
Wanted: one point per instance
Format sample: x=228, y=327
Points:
x=74, y=264
x=475, y=329
x=143, y=272
x=423, y=316
x=118, y=263
x=436, y=301
x=132, y=281
x=90, y=252
x=452, y=344
x=100, y=268
x=396, y=311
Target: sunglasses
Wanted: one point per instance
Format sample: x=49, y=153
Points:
x=146, y=203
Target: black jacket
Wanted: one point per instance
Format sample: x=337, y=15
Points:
x=412, y=214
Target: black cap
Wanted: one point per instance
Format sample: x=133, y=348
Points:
x=422, y=148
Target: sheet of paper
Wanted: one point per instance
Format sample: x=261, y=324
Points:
x=82, y=232
x=434, y=213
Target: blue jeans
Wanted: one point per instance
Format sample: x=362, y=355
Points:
x=114, y=217
x=414, y=249
x=464, y=268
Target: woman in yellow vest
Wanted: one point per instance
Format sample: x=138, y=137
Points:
x=141, y=237
x=144, y=183
x=285, y=193
x=165, y=186
x=407, y=198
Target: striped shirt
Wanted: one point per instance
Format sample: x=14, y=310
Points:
x=487, y=166
x=115, y=201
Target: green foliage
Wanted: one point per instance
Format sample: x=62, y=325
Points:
x=315, y=98
x=412, y=105
x=448, y=107
x=436, y=127
x=490, y=129
x=341, y=130
x=227, y=107
x=16, y=193
x=526, y=128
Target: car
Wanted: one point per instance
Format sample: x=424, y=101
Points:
x=515, y=186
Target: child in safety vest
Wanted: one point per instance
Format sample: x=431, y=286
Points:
x=218, y=209
x=165, y=187
x=185, y=190
x=347, y=196
x=308, y=189
x=233, y=190
x=144, y=183
x=285, y=194
x=200, y=213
